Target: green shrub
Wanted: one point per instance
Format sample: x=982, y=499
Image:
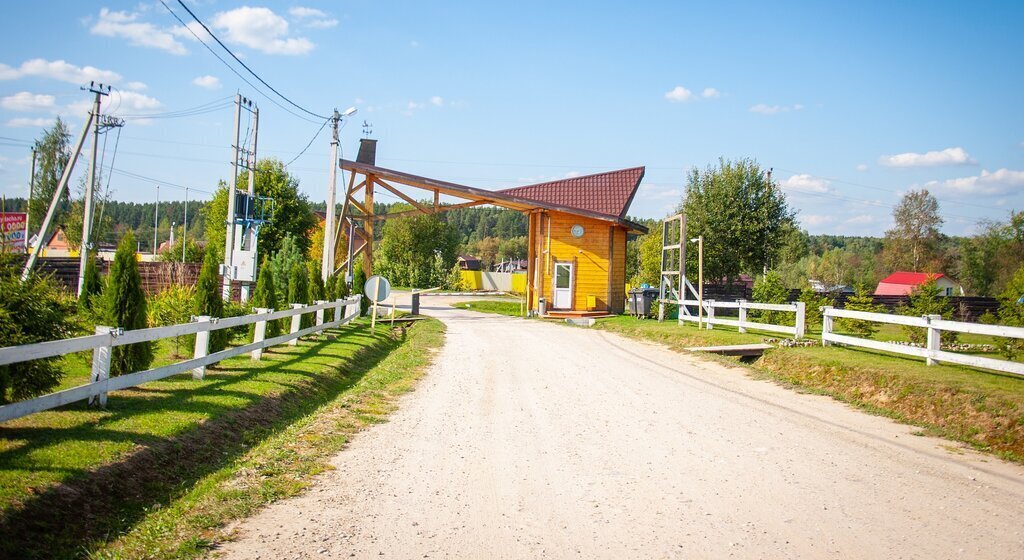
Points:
x=208, y=300
x=770, y=289
x=862, y=300
x=298, y=290
x=358, y=280
x=92, y=285
x=281, y=264
x=173, y=306
x=265, y=295
x=30, y=311
x=813, y=302
x=317, y=290
x=927, y=299
x=1012, y=313
x=123, y=304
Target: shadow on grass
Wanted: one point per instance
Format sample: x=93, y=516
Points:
x=97, y=505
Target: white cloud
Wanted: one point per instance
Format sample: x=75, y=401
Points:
x=138, y=33
x=861, y=219
x=437, y=101
x=805, y=183
x=949, y=156
x=814, y=220
x=711, y=93
x=680, y=95
x=313, y=17
x=23, y=122
x=190, y=31
x=996, y=183
x=136, y=86
x=58, y=70
x=260, y=29
x=25, y=101
x=122, y=102
x=775, y=109
x=572, y=175
x=207, y=82
x=862, y=167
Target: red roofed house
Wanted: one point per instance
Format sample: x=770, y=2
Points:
x=903, y=283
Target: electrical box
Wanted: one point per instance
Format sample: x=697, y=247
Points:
x=244, y=264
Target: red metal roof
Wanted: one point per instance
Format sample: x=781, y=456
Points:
x=911, y=278
x=607, y=193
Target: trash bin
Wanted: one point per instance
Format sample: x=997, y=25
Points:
x=642, y=302
x=415, y=303
x=542, y=307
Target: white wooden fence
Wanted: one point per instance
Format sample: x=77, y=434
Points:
x=742, y=306
x=106, y=338
x=932, y=352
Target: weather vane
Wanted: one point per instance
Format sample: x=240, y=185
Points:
x=367, y=129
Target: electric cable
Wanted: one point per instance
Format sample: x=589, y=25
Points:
x=311, y=140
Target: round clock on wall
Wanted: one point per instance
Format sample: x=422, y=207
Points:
x=577, y=230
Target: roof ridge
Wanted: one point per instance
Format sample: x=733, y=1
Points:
x=623, y=170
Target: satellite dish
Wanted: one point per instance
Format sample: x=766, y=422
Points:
x=377, y=288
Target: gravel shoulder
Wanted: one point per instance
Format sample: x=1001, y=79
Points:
x=533, y=440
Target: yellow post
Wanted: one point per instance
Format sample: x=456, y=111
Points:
x=700, y=282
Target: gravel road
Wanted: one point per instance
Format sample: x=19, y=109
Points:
x=533, y=440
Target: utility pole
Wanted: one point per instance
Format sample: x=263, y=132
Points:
x=28, y=204
x=156, y=218
x=229, y=238
x=327, y=263
x=90, y=185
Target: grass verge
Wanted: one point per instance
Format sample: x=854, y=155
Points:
x=162, y=469
x=983, y=409
x=507, y=307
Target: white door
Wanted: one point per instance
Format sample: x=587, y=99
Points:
x=563, y=286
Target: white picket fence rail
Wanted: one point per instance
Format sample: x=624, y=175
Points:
x=710, y=305
x=106, y=338
x=932, y=352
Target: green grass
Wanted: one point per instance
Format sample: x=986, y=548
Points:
x=981, y=408
x=501, y=307
x=161, y=470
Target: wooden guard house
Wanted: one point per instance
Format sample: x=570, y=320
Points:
x=577, y=228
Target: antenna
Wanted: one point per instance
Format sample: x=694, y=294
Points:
x=367, y=129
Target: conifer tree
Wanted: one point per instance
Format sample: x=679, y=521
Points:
x=298, y=289
x=208, y=297
x=92, y=284
x=124, y=305
x=317, y=290
x=265, y=296
x=358, y=279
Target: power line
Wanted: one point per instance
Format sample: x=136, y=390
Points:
x=254, y=74
x=155, y=181
x=311, y=140
x=232, y=68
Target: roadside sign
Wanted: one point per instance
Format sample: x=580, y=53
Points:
x=377, y=288
x=12, y=230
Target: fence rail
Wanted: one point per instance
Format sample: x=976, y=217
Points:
x=109, y=337
x=932, y=352
x=742, y=306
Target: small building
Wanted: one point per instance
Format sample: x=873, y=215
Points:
x=57, y=245
x=469, y=262
x=820, y=287
x=903, y=283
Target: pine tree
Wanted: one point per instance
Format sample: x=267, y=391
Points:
x=317, y=290
x=208, y=297
x=861, y=301
x=927, y=299
x=265, y=296
x=358, y=279
x=298, y=289
x=124, y=306
x=91, y=286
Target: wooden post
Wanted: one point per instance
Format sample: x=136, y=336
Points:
x=202, y=345
x=368, y=228
x=296, y=323
x=801, y=319
x=711, y=313
x=743, y=314
x=934, y=339
x=101, y=363
x=373, y=314
x=260, y=333
x=826, y=325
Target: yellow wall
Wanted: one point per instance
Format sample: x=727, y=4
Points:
x=591, y=253
x=473, y=280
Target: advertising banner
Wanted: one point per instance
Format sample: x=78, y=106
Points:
x=12, y=230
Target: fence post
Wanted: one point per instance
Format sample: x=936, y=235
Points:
x=709, y=304
x=337, y=310
x=202, y=345
x=320, y=313
x=101, y=364
x=934, y=339
x=259, y=333
x=296, y=323
x=801, y=319
x=826, y=324
x=743, y=314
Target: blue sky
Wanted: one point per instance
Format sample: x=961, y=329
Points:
x=852, y=105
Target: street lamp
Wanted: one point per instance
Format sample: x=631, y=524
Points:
x=699, y=240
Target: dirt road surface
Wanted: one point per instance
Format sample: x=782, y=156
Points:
x=533, y=440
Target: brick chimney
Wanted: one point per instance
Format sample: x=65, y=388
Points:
x=367, y=151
